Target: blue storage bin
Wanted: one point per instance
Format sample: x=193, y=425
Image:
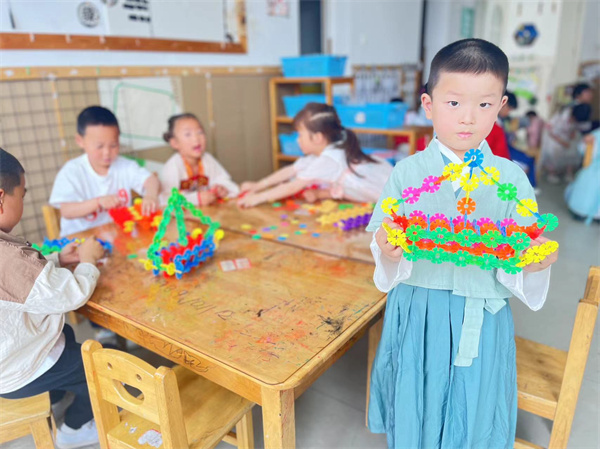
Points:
x=294, y=103
x=289, y=144
x=373, y=115
x=314, y=65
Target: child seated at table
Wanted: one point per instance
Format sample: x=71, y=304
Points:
x=334, y=161
x=196, y=173
x=99, y=180
x=38, y=351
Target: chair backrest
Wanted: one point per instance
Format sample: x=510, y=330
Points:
x=589, y=152
x=107, y=370
x=52, y=221
x=579, y=348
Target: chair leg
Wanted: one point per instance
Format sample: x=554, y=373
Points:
x=245, y=432
x=42, y=434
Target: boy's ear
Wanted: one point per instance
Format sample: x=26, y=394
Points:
x=2, y=195
x=426, y=102
x=503, y=102
x=79, y=140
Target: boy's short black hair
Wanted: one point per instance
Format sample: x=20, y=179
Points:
x=579, y=88
x=10, y=172
x=512, y=101
x=95, y=115
x=582, y=112
x=475, y=56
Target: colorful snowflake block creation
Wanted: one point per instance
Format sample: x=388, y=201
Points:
x=54, y=246
x=484, y=243
x=191, y=250
x=128, y=217
x=347, y=218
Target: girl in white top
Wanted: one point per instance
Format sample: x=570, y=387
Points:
x=193, y=171
x=333, y=161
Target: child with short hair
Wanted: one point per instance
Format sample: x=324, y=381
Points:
x=444, y=375
x=38, y=351
x=91, y=184
x=193, y=171
x=334, y=160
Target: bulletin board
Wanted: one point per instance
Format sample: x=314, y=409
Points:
x=209, y=26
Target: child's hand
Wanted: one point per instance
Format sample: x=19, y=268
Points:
x=310, y=195
x=390, y=251
x=250, y=200
x=207, y=197
x=535, y=267
x=109, y=202
x=90, y=251
x=149, y=205
x=69, y=254
x=221, y=191
x=249, y=187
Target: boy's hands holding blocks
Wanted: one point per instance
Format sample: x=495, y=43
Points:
x=69, y=254
x=549, y=260
x=90, y=251
x=108, y=202
x=394, y=253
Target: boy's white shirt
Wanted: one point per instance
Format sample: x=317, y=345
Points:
x=174, y=172
x=77, y=181
x=330, y=170
x=530, y=288
x=35, y=326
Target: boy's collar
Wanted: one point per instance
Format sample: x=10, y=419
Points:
x=94, y=172
x=450, y=154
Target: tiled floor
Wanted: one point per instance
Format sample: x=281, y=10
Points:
x=331, y=413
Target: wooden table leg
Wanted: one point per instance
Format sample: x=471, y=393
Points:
x=279, y=422
x=374, y=337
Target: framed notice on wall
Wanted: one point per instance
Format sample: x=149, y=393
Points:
x=213, y=26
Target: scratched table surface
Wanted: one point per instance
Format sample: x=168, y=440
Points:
x=266, y=321
x=295, y=228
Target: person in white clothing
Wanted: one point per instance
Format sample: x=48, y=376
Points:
x=38, y=351
x=91, y=184
x=334, y=162
x=193, y=171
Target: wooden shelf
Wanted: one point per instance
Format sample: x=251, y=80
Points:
x=282, y=119
x=312, y=80
x=286, y=157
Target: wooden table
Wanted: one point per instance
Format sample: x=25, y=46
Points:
x=352, y=245
x=265, y=333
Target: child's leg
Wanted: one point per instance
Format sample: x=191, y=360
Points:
x=66, y=375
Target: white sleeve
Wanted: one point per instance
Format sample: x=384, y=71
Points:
x=57, y=290
x=220, y=176
x=322, y=168
x=136, y=175
x=530, y=288
x=66, y=188
x=388, y=274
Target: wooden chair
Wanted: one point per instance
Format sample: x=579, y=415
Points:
x=549, y=379
x=177, y=407
x=52, y=223
x=20, y=417
x=589, y=152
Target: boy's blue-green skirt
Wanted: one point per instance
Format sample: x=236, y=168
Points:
x=419, y=398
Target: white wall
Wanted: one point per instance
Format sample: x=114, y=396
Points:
x=372, y=32
x=269, y=38
x=590, y=45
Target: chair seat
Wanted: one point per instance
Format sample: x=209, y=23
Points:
x=540, y=371
x=22, y=411
x=209, y=412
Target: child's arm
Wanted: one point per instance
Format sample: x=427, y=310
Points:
x=219, y=178
x=283, y=190
x=281, y=175
x=84, y=208
x=313, y=195
x=150, y=199
x=39, y=286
